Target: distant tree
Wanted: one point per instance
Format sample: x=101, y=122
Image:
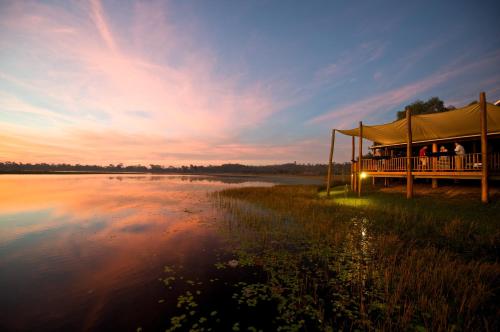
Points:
x=155, y=168
x=433, y=105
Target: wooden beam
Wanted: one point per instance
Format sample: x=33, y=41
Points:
x=330, y=164
x=342, y=173
x=409, y=176
x=353, y=167
x=434, y=165
x=360, y=158
x=484, y=148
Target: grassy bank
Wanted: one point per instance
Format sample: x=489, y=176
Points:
x=379, y=262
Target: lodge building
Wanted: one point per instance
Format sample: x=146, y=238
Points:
x=397, y=148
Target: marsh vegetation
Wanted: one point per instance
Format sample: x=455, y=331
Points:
x=378, y=262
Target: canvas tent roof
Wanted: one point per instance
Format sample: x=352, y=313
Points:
x=436, y=126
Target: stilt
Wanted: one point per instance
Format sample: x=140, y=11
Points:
x=484, y=149
x=353, y=167
x=330, y=164
x=409, y=176
x=360, y=158
x=354, y=176
x=434, y=165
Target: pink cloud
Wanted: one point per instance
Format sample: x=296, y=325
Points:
x=107, y=84
x=101, y=24
x=97, y=147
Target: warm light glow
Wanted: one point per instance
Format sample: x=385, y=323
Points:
x=363, y=175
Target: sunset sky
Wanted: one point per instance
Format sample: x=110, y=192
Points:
x=210, y=82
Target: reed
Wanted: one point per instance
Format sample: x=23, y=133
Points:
x=377, y=262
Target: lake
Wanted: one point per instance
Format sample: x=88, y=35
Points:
x=89, y=252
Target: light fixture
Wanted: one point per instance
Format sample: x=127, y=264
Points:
x=363, y=175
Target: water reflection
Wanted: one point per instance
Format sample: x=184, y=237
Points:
x=73, y=245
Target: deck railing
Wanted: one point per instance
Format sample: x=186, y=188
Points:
x=494, y=161
x=470, y=162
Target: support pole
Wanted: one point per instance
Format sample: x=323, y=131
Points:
x=353, y=167
x=484, y=149
x=360, y=158
x=434, y=165
x=409, y=176
x=330, y=164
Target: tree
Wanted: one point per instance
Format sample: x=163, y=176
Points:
x=433, y=105
x=155, y=168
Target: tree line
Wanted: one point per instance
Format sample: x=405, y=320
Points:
x=287, y=168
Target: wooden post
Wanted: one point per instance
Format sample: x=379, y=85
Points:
x=409, y=176
x=360, y=158
x=342, y=173
x=353, y=178
x=484, y=149
x=353, y=167
x=330, y=164
x=392, y=156
x=434, y=165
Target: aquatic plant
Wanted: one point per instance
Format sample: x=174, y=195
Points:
x=378, y=262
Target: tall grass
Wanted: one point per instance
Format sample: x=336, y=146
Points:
x=378, y=262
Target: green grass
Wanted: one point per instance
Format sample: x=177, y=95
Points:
x=376, y=262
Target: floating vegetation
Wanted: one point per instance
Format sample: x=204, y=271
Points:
x=220, y=265
x=232, y=263
x=168, y=280
x=385, y=264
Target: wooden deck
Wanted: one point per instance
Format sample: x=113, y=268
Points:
x=445, y=167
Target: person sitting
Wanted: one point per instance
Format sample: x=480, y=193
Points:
x=443, y=162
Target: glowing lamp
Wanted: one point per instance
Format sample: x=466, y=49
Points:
x=363, y=175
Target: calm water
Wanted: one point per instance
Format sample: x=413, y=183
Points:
x=84, y=252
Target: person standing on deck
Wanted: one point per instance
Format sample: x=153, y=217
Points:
x=377, y=157
x=459, y=155
x=422, y=154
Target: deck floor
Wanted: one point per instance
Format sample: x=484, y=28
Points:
x=432, y=175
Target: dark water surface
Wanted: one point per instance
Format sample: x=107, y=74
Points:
x=85, y=252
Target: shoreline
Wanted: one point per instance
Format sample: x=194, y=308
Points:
x=173, y=173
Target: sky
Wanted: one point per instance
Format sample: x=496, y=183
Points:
x=212, y=82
